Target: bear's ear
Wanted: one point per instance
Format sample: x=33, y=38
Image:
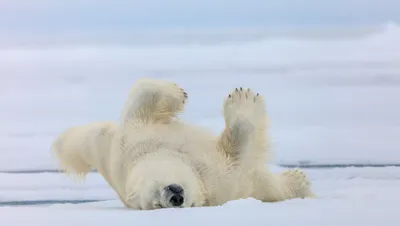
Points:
x=131, y=201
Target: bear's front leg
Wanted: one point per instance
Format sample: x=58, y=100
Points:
x=244, y=136
x=153, y=101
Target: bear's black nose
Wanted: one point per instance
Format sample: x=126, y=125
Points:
x=176, y=200
x=174, y=188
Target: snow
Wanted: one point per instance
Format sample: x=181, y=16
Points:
x=295, y=212
x=331, y=213
x=55, y=186
x=347, y=196
x=329, y=100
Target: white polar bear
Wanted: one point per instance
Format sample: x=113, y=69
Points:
x=153, y=160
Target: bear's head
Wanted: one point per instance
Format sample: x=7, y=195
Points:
x=164, y=182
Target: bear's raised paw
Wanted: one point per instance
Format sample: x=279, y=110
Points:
x=243, y=103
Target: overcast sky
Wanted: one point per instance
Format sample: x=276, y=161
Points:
x=60, y=15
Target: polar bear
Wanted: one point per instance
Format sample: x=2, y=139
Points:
x=154, y=160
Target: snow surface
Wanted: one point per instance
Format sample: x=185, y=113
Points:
x=55, y=186
x=336, y=212
x=347, y=196
x=330, y=101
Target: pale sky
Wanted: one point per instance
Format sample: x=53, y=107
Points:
x=59, y=15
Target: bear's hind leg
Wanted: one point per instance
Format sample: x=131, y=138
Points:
x=269, y=187
x=153, y=101
x=245, y=127
x=296, y=184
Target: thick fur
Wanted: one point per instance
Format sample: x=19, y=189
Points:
x=151, y=148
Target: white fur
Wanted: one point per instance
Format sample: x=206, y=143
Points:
x=151, y=148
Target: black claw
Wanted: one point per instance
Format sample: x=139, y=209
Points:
x=185, y=94
x=241, y=89
x=230, y=96
x=258, y=94
x=237, y=90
